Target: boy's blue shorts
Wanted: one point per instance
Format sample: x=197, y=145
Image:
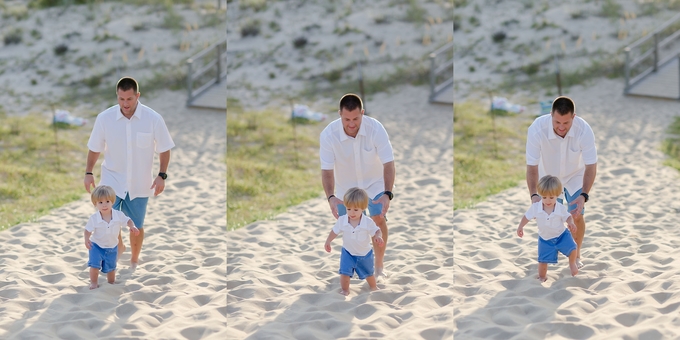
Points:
x=134, y=209
x=571, y=198
x=363, y=265
x=103, y=259
x=547, y=249
x=373, y=208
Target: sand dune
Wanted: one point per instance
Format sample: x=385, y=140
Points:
x=178, y=290
x=282, y=284
x=629, y=286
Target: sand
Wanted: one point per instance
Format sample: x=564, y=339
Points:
x=628, y=288
x=177, y=291
x=282, y=284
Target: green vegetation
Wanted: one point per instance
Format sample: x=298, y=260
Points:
x=611, y=9
x=35, y=174
x=488, y=154
x=271, y=165
x=671, y=145
x=415, y=13
x=256, y=5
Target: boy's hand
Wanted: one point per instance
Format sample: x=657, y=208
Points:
x=88, y=244
x=520, y=232
x=572, y=227
x=327, y=246
x=134, y=231
x=378, y=241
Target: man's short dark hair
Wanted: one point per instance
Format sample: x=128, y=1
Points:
x=127, y=83
x=563, y=105
x=351, y=102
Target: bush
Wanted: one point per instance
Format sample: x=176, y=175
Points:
x=13, y=37
x=61, y=49
x=300, y=42
x=250, y=28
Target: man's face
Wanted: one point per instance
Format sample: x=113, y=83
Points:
x=351, y=121
x=562, y=123
x=127, y=101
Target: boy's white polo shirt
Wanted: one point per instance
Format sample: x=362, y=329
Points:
x=549, y=225
x=356, y=161
x=565, y=157
x=357, y=240
x=128, y=146
x=105, y=234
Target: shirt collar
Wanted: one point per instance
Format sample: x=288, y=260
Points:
x=136, y=115
x=361, y=223
x=362, y=130
x=99, y=218
x=553, y=135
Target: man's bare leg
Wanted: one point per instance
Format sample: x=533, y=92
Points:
x=578, y=237
x=572, y=263
x=380, y=250
x=136, y=247
x=121, y=247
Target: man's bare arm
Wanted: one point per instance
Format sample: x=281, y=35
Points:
x=589, y=177
x=328, y=181
x=389, y=173
x=532, y=179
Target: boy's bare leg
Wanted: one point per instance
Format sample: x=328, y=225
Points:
x=580, y=223
x=136, y=246
x=94, y=278
x=344, y=285
x=371, y=282
x=573, y=266
x=380, y=251
x=121, y=246
x=111, y=277
x=543, y=271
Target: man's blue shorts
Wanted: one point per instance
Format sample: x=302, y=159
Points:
x=547, y=249
x=134, y=209
x=363, y=265
x=103, y=259
x=373, y=208
x=571, y=198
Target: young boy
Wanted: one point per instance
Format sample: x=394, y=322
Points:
x=357, y=230
x=552, y=235
x=101, y=235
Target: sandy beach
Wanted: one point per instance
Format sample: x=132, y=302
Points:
x=628, y=288
x=282, y=284
x=177, y=291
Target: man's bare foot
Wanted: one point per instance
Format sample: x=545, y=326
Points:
x=579, y=265
x=344, y=292
x=94, y=286
x=133, y=265
x=542, y=279
x=373, y=289
x=121, y=250
x=574, y=268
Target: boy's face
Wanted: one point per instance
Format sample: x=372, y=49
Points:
x=549, y=201
x=104, y=205
x=354, y=213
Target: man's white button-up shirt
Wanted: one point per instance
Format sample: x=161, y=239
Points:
x=565, y=157
x=128, y=146
x=356, y=161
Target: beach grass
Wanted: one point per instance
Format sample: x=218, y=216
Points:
x=487, y=159
x=35, y=174
x=270, y=165
x=671, y=145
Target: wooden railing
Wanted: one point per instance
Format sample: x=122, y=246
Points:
x=206, y=68
x=649, y=53
x=441, y=67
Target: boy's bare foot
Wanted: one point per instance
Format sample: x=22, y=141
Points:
x=344, y=292
x=579, y=264
x=574, y=268
x=94, y=286
x=542, y=279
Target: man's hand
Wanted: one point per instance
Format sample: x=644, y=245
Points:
x=327, y=246
x=158, y=185
x=385, y=201
x=89, y=183
x=535, y=199
x=580, y=201
x=334, y=202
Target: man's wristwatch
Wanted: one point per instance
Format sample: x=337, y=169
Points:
x=163, y=175
x=89, y=173
x=585, y=196
x=532, y=196
x=329, y=197
x=389, y=194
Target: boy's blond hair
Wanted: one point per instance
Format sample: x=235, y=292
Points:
x=549, y=186
x=103, y=191
x=356, y=198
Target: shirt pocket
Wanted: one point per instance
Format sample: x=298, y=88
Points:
x=144, y=140
x=573, y=157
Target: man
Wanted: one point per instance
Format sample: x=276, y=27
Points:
x=563, y=145
x=355, y=151
x=128, y=134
